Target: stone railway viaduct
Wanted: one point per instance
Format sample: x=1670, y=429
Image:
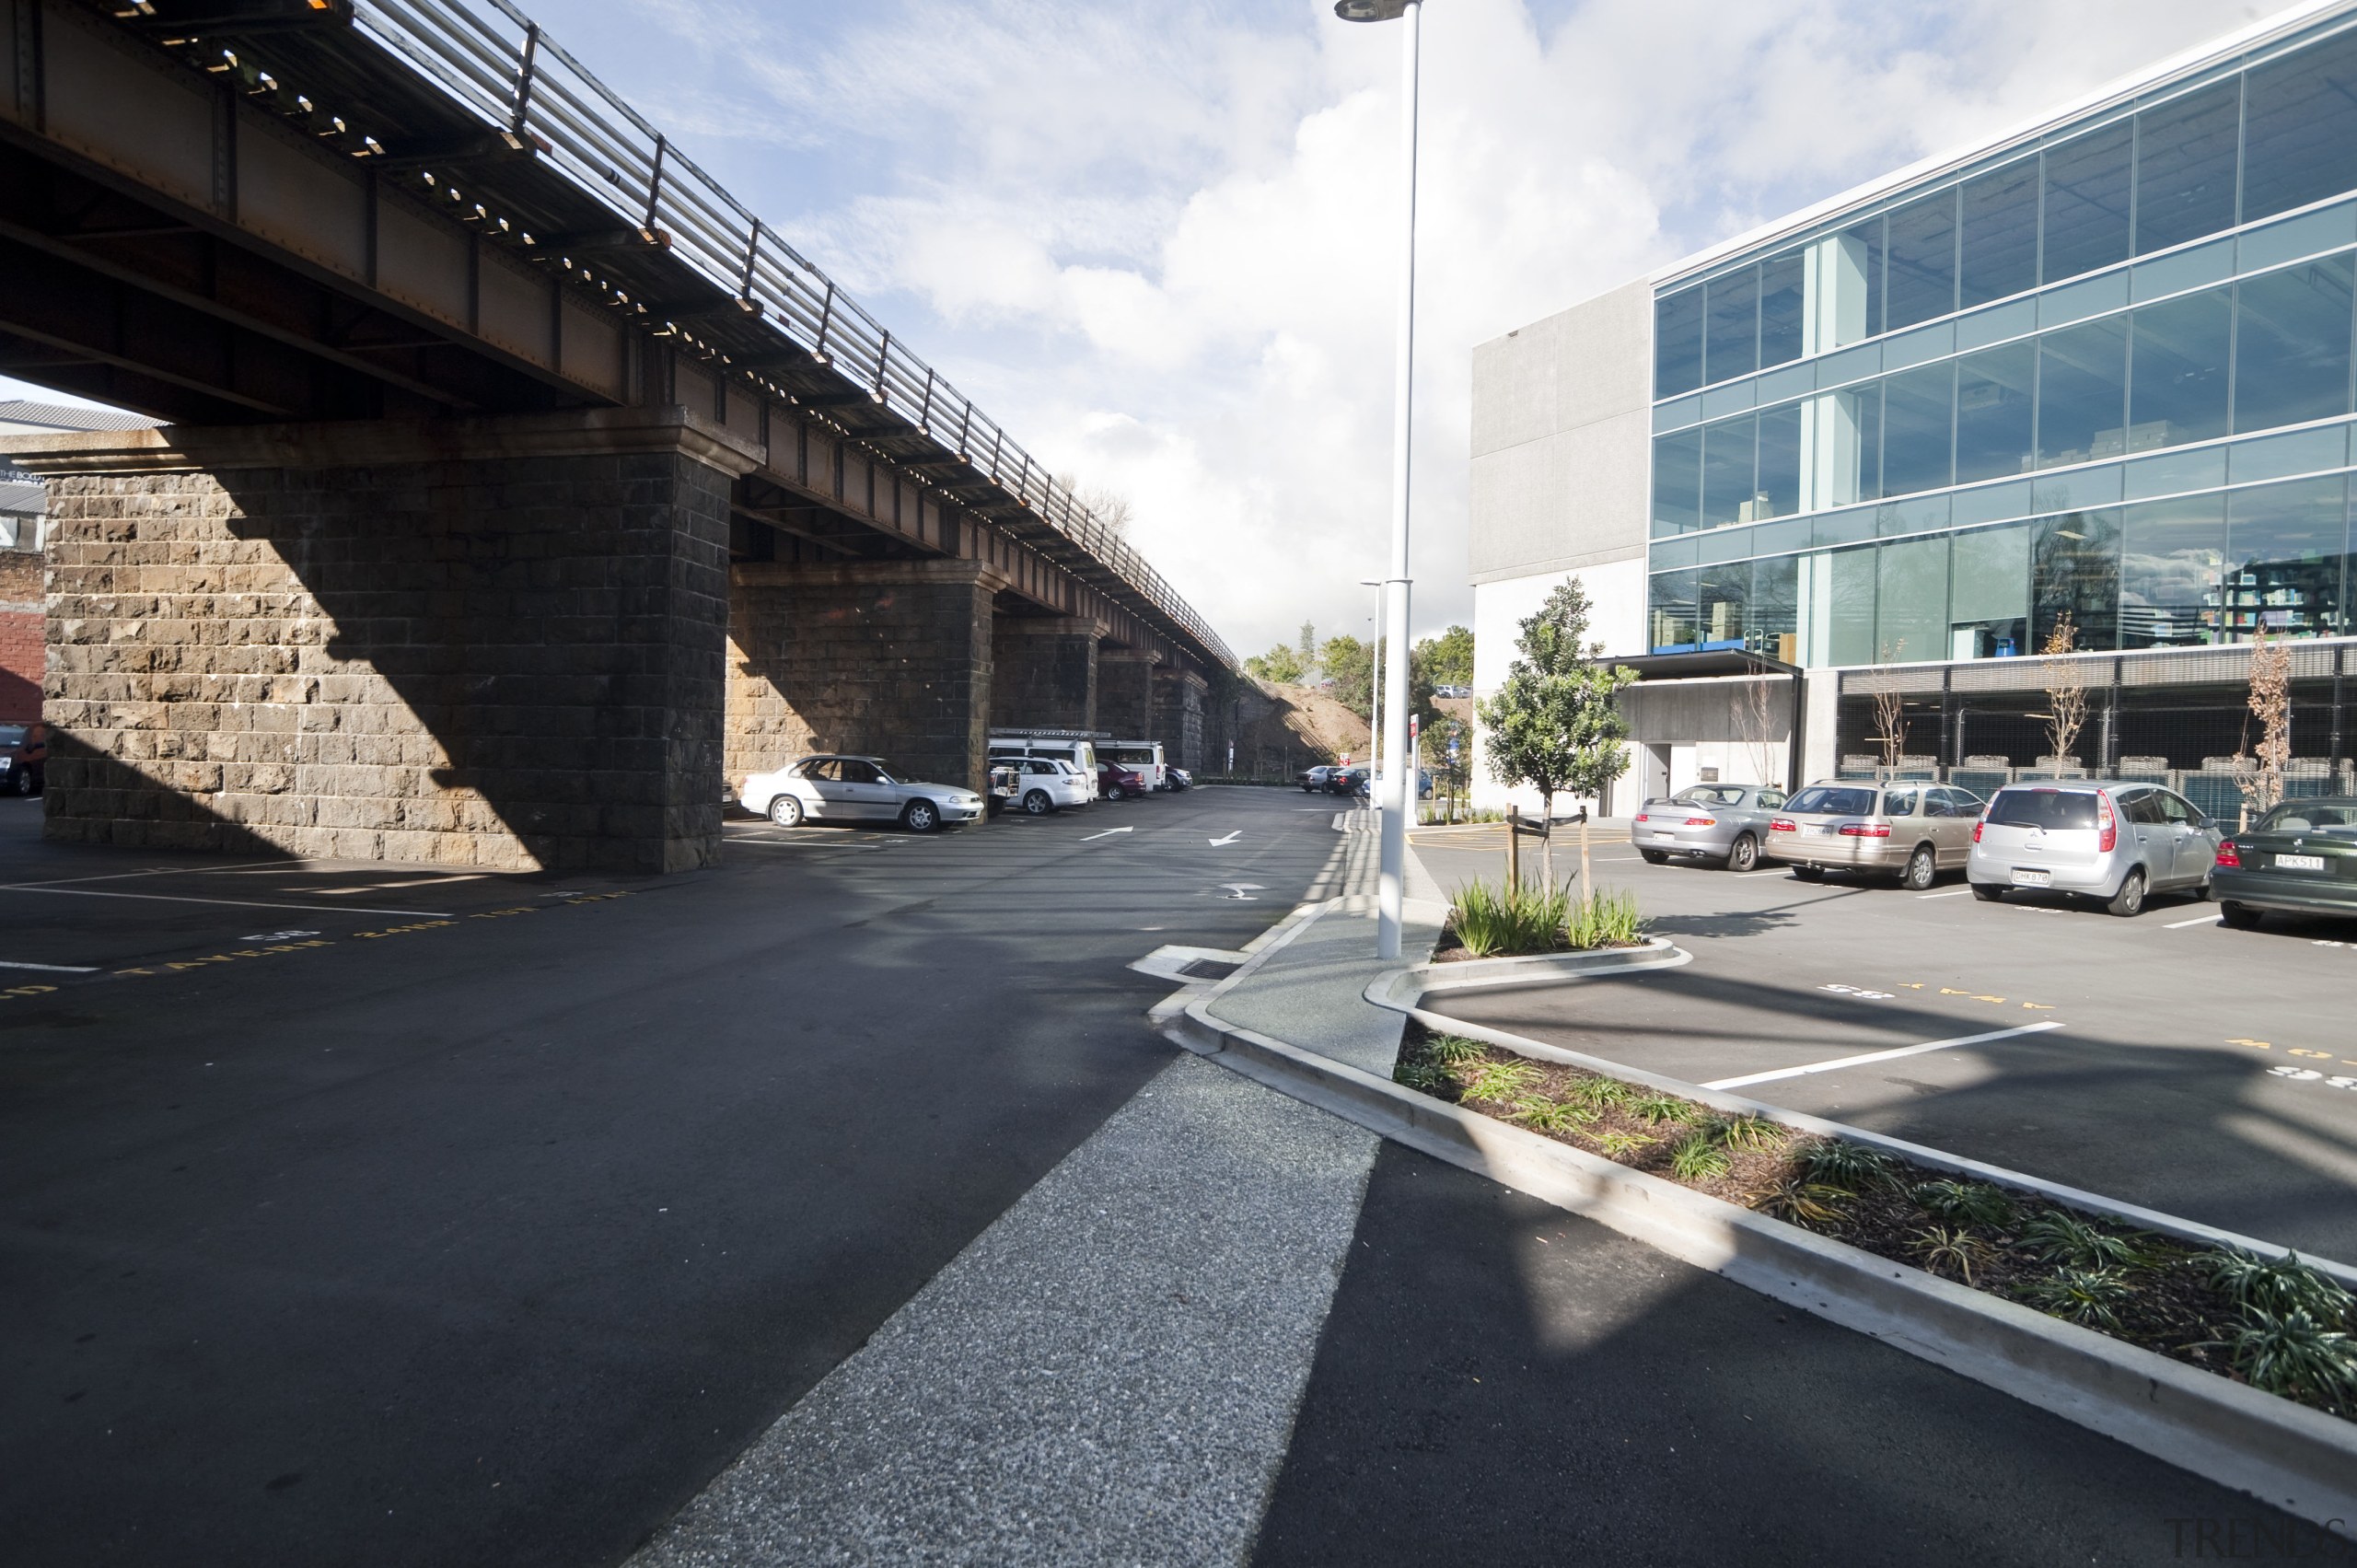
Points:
x=518, y=486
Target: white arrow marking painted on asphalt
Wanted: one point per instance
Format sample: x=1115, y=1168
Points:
x=1229, y=839
x=1243, y=890
x=1108, y=833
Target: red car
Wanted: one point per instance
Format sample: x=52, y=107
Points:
x=1116, y=783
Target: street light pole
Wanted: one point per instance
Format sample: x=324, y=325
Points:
x=1374, y=684
x=1395, y=796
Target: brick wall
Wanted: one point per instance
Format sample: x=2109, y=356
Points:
x=510, y=661
x=891, y=658
x=1178, y=716
x=1043, y=674
x=1125, y=695
x=21, y=650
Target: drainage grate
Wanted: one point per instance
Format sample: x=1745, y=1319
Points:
x=1209, y=969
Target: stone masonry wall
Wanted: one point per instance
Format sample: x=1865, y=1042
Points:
x=511, y=662
x=1043, y=674
x=1178, y=716
x=890, y=658
x=1125, y=694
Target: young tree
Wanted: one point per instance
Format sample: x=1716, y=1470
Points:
x=1350, y=664
x=1280, y=665
x=1555, y=724
x=1756, y=722
x=1449, y=658
x=2271, y=703
x=1306, y=647
x=2066, y=691
x=1890, y=714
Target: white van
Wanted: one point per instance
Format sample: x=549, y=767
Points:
x=1079, y=750
x=1142, y=758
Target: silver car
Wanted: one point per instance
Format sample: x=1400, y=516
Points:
x=1912, y=830
x=2116, y=843
x=1725, y=822
x=855, y=789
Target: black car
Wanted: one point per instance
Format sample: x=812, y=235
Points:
x=1314, y=779
x=2300, y=858
x=1346, y=781
x=24, y=758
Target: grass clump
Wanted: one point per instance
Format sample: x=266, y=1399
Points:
x=1964, y=1203
x=2279, y=1285
x=1604, y=920
x=1699, y=1157
x=1597, y=1093
x=1452, y=1051
x=1616, y=1142
x=1944, y=1249
x=2058, y=1236
x=1501, y=1081
x=2296, y=1354
x=2092, y=1298
x=1853, y=1167
x=1803, y=1203
x=1555, y=1115
x=1656, y=1107
x=1753, y=1132
x=1492, y=920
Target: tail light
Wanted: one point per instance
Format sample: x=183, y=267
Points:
x=1976, y=828
x=2107, y=826
x=1642, y=818
x=1701, y=821
x=1865, y=830
x=2230, y=855
x=1784, y=825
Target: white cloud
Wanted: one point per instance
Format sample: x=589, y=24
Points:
x=1157, y=241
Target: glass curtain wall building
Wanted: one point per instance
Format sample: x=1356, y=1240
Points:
x=2104, y=376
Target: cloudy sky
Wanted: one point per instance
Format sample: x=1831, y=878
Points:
x=1154, y=238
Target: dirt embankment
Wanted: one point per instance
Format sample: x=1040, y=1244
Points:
x=1283, y=730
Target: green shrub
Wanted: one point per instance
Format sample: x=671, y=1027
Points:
x=2057, y=1237
x=1963, y=1203
x=1939, y=1249
x=2279, y=1285
x=1803, y=1203
x=1604, y=920
x=1698, y=1158
x=1552, y=1116
x=2293, y=1354
x=1852, y=1166
x=1654, y=1106
x=2088, y=1296
x=1501, y=1081
x=1455, y=1050
x=1616, y=1142
x=1753, y=1132
x=1492, y=920
x=1599, y=1092
x=1425, y=1077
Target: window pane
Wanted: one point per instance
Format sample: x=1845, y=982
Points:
x=1853, y=593
x=2075, y=569
x=1678, y=343
x=1672, y=608
x=2184, y=167
x=2286, y=561
x=1728, y=451
x=1918, y=410
x=2292, y=345
x=1780, y=287
x=2000, y=233
x=1921, y=260
x=1732, y=347
x=1988, y=598
x=2086, y=202
x=2179, y=387
x=1778, y=493
x=1720, y=596
x=1775, y=607
x=2168, y=571
x=1678, y=481
x=2300, y=128
x=1911, y=601
x=1992, y=412
x=2083, y=392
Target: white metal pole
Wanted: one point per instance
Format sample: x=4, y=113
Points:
x=1374, y=684
x=1398, y=797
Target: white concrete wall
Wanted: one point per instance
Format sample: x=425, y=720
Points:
x=1617, y=591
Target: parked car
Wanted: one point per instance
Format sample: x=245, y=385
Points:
x=1042, y=784
x=2116, y=843
x=1181, y=780
x=855, y=789
x=1369, y=780
x=1725, y=822
x=1347, y=781
x=2300, y=858
x=1909, y=831
x=1081, y=753
x=1115, y=782
x=1312, y=780
x=1452, y=691
x=24, y=758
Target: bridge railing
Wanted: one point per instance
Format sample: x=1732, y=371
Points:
x=494, y=60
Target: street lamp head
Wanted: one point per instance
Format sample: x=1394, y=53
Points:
x=1371, y=10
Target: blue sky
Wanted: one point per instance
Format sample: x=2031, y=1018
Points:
x=1152, y=237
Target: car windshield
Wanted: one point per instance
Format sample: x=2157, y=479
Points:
x=12, y=735
x=1707, y=794
x=2338, y=817
x=1831, y=801
x=2050, y=809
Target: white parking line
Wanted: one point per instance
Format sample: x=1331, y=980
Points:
x=232, y=904
x=51, y=968
x=1951, y=893
x=277, y=865
x=2210, y=919
x=1751, y=1078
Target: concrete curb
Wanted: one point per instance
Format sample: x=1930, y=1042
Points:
x=2286, y=1455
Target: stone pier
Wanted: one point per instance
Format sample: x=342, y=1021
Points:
x=1125, y=693
x=1043, y=672
x=1178, y=716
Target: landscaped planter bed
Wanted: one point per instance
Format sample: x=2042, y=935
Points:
x=2275, y=1324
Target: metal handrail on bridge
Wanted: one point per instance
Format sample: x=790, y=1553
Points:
x=497, y=64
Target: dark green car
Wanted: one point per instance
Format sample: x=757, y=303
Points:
x=2300, y=858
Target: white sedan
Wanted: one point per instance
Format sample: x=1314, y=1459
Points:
x=855, y=789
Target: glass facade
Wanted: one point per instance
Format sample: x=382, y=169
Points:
x=2109, y=373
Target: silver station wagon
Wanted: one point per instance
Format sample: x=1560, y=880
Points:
x=2116, y=843
x=1725, y=822
x=1910, y=830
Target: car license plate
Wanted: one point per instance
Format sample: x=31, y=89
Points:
x=1819, y=830
x=1660, y=837
x=2299, y=863
x=2026, y=879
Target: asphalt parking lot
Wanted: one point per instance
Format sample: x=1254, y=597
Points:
x=2165, y=1061
x=365, y=1214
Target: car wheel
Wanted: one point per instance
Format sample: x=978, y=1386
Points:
x=1654, y=856
x=1743, y=853
x=786, y=811
x=1037, y=804
x=1809, y=873
x=20, y=782
x=1988, y=892
x=920, y=816
x=2129, y=901
x=2242, y=917
x=1922, y=868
